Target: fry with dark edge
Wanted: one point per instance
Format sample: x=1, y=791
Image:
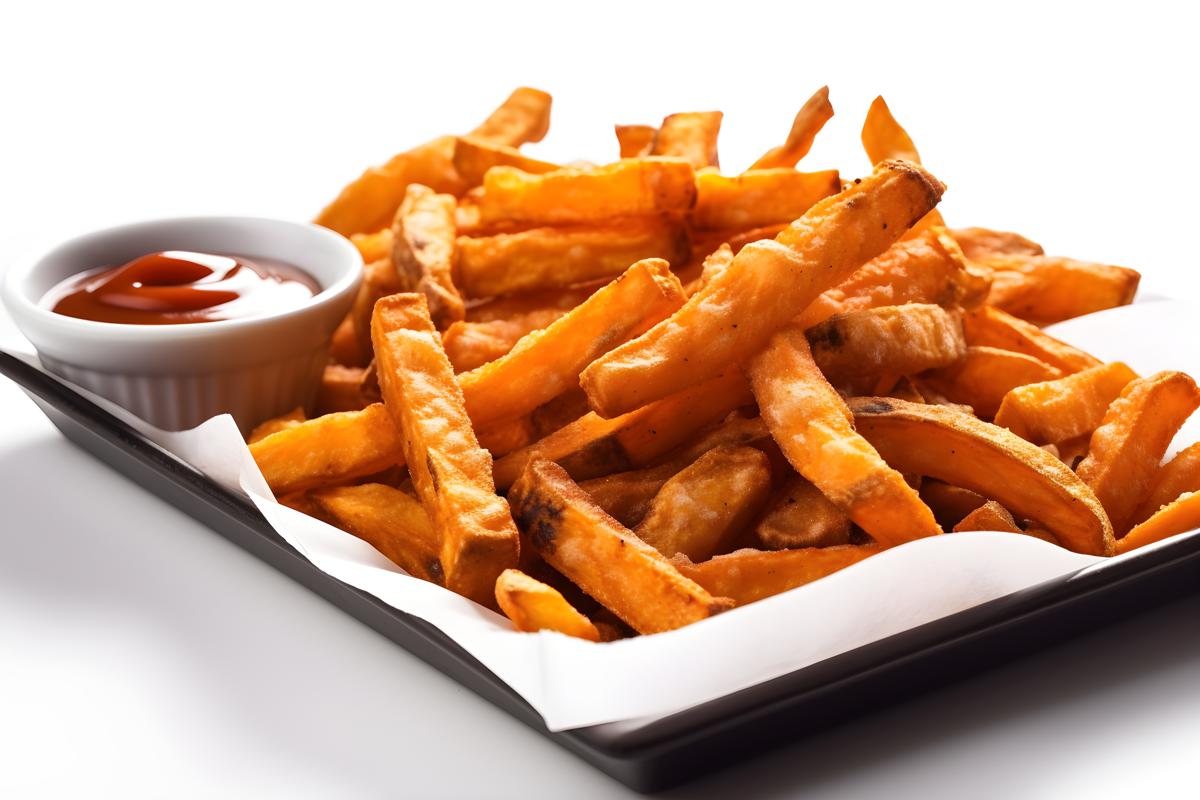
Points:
x=884, y=139
x=800, y=516
x=424, y=252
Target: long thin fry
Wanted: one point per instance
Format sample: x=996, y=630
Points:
x=757, y=198
x=809, y=120
x=884, y=139
x=745, y=576
x=1057, y=410
x=990, y=327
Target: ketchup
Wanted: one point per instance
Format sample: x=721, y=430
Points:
x=178, y=286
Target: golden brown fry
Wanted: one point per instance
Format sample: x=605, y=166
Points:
x=547, y=258
x=344, y=347
x=502, y=438
x=713, y=265
x=533, y=606
x=1046, y=289
x=424, y=252
x=629, y=188
x=1066, y=408
x=981, y=242
x=704, y=508
x=524, y=117
x=944, y=443
x=810, y=423
x=635, y=141
x=884, y=139
x=949, y=503
x=626, y=496
x=800, y=516
x=281, y=423
x=546, y=363
x=373, y=246
x=392, y=522
x=736, y=313
x=986, y=374
x=808, y=123
x=328, y=450
x=991, y=516
x=704, y=243
x=379, y=280
x=504, y=308
x=451, y=473
x=1177, y=477
x=759, y=197
x=1126, y=448
x=474, y=157
x=691, y=136
x=1179, y=516
x=990, y=327
x=626, y=575
x=340, y=389
x=748, y=575
x=472, y=344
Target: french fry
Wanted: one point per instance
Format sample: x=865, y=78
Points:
x=373, y=246
x=986, y=375
x=635, y=141
x=281, y=423
x=626, y=496
x=472, y=344
x=713, y=265
x=548, y=258
x=990, y=327
x=884, y=340
x=328, y=450
x=379, y=280
x=626, y=575
x=546, y=363
x=950, y=504
x=559, y=412
x=810, y=423
x=1046, y=289
x=340, y=389
x=1066, y=408
x=392, y=522
x=748, y=575
x=533, y=606
x=884, y=139
x=424, y=252
x=451, y=473
x=800, y=516
x=736, y=313
x=1179, y=516
x=705, y=243
x=502, y=438
x=474, y=157
x=979, y=243
x=809, y=120
x=524, y=117
x=503, y=308
x=949, y=445
x=704, y=508
x=1125, y=450
x=1173, y=479
x=759, y=197
x=344, y=347
x=691, y=136
x=629, y=188
x=991, y=516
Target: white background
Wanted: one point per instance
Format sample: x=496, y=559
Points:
x=140, y=655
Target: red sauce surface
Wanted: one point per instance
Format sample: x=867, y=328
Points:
x=178, y=286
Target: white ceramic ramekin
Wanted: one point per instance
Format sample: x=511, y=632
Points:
x=177, y=376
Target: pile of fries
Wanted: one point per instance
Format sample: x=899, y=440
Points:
x=614, y=400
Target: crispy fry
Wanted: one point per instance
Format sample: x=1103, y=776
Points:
x=533, y=606
x=707, y=506
x=986, y=374
x=451, y=473
x=736, y=313
x=626, y=496
x=379, y=280
x=705, y=243
x=1057, y=410
x=391, y=521
x=328, y=450
x=559, y=412
x=474, y=157
x=524, y=117
x=424, y=252
x=1136, y=431
x=547, y=258
x=981, y=242
x=991, y=516
x=627, y=576
x=713, y=265
x=503, y=308
x=810, y=423
x=800, y=516
x=548, y=362
x=635, y=141
x=809, y=120
x=884, y=139
x=1173, y=479
x=990, y=327
x=748, y=575
x=340, y=389
x=373, y=246
x=344, y=346
x=946, y=444
x=628, y=188
x=501, y=438
x=1179, y=516
x=1046, y=289
x=759, y=197
x=281, y=423
x=472, y=344
x=691, y=136
x=950, y=504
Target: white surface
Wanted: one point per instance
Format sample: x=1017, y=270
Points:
x=1074, y=127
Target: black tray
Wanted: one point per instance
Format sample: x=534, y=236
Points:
x=691, y=743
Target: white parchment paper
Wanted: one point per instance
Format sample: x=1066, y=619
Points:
x=573, y=683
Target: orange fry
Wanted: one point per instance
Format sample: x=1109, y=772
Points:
x=533, y=606
x=1173, y=479
x=691, y=136
x=983, y=378
x=1057, y=410
x=990, y=327
x=745, y=576
x=809, y=120
x=635, y=141
x=759, y=197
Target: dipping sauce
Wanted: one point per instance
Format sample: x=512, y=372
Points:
x=178, y=286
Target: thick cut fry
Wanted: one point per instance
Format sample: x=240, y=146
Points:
x=979, y=243
x=524, y=117
x=884, y=139
x=373, y=246
x=988, y=326
x=691, y=136
x=898, y=340
x=950, y=504
x=800, y=516
x=809, y=120
x=1180, y=516
x=424, y=252
x=340, y=389
x=277, y=424
x=474, y=157
x=767, y=283
x=547, y=258
x=379, y=280
x=986, y=374
x=944, y=443
x=501, y=438
x=1127, y=447
x=1046, y=289
x=748, y=575
x=759, y=197
x=626, y=575
x=1173, y=479
x=991, y=516
x=1054, y=411
x=635, y=141
x=626, y=496
x=451, y=473
x=533, y=606
x=391, y=521
x=328, y=450
x=503, y=308
x=706, y=507
x=630, y=188
x=546, y=363
x=472, y=344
